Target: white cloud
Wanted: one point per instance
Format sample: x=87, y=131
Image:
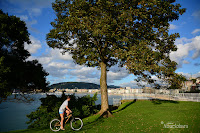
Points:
x=56, y=53
x=186, y=62
x=140, y=84
x=133, y=84
x=117, y=75
x=189, y=75
x=196, y=47
x=195, y=31
x=196, y=14
x=182, y=52
x=32, y=22
x=182, y=40
x=44, y=60
x=53, y=63
x=54, y=72
x=34, y=46
x=56, y=79
x=34, y=11
x=33, y=7
x=29, y=22
x=61, y=65
x=85, y=72
x=59, y=69
x=23, y=17
x=172, y=27
x=44, y=3
x=185, y=46
x=89, y=80
x=52, y=56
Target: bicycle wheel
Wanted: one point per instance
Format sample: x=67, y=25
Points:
x=76, y=124
x=55, y=125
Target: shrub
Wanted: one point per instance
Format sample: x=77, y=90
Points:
x=80, y=106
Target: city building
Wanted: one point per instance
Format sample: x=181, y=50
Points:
x=191, y=85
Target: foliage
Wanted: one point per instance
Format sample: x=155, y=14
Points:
x=23, y=75
x=80, y=106
x=3, y=83
x=104, y=33
x=194, y=81
x=193, y=91
x=177, y=81
x=134, y=33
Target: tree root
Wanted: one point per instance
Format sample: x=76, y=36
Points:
x=105, y=114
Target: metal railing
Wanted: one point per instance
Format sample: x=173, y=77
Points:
x=195, y=97
x=117, y=101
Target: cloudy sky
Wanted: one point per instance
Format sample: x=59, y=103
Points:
x=38, y=14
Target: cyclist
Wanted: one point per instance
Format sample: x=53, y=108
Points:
x=64, y=108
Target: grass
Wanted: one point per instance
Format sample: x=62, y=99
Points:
x=142, y=116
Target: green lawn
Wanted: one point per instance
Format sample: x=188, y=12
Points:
x=142, y=116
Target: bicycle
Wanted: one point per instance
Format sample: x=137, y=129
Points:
x=76, y=123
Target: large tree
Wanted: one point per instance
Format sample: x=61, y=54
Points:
x=131, y=33
x=3, y=82
x=15, y=71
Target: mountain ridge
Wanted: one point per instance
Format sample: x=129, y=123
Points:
x=78, y=85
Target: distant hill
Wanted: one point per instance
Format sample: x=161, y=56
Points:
x=79, y=85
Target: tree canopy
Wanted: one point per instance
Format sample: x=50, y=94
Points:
x=131, y=33
x=15, y=71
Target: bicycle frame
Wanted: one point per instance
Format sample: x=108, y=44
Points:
x=68, y=117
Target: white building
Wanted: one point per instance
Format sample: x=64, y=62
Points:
x=128, y=88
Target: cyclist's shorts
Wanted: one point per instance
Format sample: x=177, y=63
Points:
x=61, y=112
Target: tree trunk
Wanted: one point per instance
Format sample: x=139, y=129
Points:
x=104, y=93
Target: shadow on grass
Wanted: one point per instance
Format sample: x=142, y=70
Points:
x=158, y=101
x=88, y=125
x=123, y=106
x=99, y=119
x=33, y=130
